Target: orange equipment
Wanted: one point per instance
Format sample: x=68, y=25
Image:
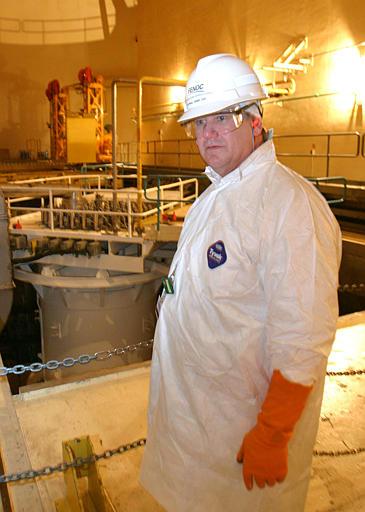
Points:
x=58, y=106
x=93, y=107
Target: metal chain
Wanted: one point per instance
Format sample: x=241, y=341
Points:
x=81, y=461
x=107, y=354
x=107, y=454
x=338, y=453
x=350, y=451
x=351, y=287
x=345, y=373
x=71, y=361
x=119, y=351
x=63, y=466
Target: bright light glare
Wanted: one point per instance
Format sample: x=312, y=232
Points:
x=177, y=94
x=348, y=71
x=347, y=77
x=360, y=90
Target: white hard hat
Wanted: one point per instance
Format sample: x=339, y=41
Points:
x=218, y=82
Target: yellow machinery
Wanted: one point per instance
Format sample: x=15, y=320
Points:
x=78, y=137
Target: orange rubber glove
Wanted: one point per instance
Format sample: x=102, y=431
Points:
x=264, y=450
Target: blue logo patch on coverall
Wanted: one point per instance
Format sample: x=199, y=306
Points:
x=216, y=254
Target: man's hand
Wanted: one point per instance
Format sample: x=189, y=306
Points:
x=263, y=463
x=264, y=450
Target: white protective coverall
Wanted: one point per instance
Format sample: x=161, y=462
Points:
x=268, y=302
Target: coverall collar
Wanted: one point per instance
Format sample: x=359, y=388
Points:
x=261, y=154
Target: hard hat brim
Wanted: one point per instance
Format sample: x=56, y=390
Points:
x=212, y=108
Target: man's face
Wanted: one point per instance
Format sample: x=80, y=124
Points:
x=224, y=152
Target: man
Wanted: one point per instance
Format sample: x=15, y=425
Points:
x=244, y=333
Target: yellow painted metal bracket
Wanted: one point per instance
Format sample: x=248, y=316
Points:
x=85, y=491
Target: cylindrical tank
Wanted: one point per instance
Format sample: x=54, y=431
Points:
x=6, y=281
x=84, y=312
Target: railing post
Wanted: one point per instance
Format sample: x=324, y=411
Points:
x=179, y=154
x=158, y=203
x=129, y=217
x=181, y=188
x=50, y=195
x=328, y=156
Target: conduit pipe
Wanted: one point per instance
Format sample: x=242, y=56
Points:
x=146, y=80
x=296, y=98
x=281, y=88
x=128, y=82
x=6, y=280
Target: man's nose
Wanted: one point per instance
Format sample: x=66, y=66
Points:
x=210, y=130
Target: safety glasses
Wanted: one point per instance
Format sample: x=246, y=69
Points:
x=221, y=123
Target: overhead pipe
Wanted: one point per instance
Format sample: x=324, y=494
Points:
x=6, y=279
x=291, y=52
x=285, y=61
x=305, y=97
x=146, y=80
x=281, y=88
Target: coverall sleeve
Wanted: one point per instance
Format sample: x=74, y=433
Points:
x=300, y=255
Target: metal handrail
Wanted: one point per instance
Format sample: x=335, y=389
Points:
x=327, y=154
x=151, y=147
x=69, y=179
x=51, y=192
x=332, y=179
x=159, y=188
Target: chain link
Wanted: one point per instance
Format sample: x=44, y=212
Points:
x=103, y=355
x=338, y=453
x=119, y=351
x=345, y=373
x=351, y=287
x=76, y=463
x=107, y=454
x=68, y=362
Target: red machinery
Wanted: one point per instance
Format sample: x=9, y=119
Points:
x=92, y=90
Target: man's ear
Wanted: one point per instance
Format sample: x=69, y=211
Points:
x=257, y=126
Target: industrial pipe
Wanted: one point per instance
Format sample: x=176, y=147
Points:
x=126, y=81
x=146, y=80
x=6, y=281
x=281, y=88
x=296, y=98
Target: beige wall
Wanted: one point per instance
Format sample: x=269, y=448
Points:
x=174, y=35
x=74, y=36
x=165, y=38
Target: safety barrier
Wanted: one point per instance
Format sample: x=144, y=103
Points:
x=159, y=190
x=177, y=153
x=327, y=138
x=334, y=180
x=100, y=356
x=184, y=152
x=94, y=207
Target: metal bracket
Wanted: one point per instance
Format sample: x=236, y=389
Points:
x=85, y=491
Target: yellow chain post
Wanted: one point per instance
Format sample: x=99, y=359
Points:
x=91, y=497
